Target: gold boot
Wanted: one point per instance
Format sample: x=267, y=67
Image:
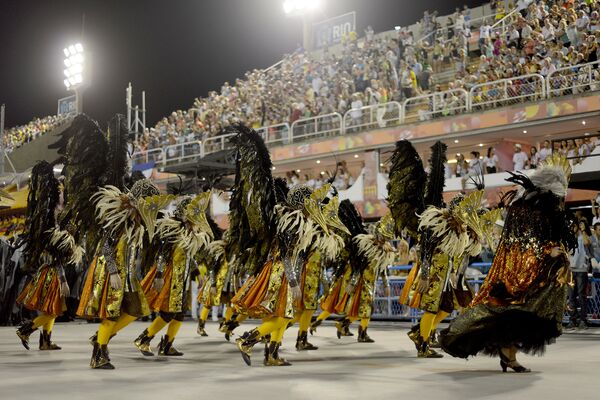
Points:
x=200, y=330
x=24, y=332
x=46, y=343
x=315, y=325
x=143, y=343
x=363, y=337
x=100, y=358
x=272, y=358
x=425, y=351
x=165, y=347
x=245, y=344
x=302, y=343
x=413, y=335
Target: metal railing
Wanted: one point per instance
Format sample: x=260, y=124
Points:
x=373, y=117
x=574, y=80
x=389, y=308
x=506, y=92
x=439, y=104
x=319, y=126
x=279, y=133
x=216, y=144
x=183, y=152
x=144, y=157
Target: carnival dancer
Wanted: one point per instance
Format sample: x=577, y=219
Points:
x=520, y=305
x=112, y=291
x=314, y=274
x=48, y=250
x=272, y=234
x=219, y=287
x=167, y=285
x=436, y=285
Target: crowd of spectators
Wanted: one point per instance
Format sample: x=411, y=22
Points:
x=575, y=150
x=538, y=38
x=341, y=180
x=15, y=137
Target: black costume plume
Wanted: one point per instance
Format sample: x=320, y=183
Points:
x=42, y=200
x=406, y=187
x=436, y=178
x=253, y=199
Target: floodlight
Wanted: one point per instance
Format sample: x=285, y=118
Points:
x=66, y=51
x=72, y=50
x=67, y=83
x=79, y=47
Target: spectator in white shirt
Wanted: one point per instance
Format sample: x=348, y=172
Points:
x=491, y=161
x=548, y=31
x=519, y=158
x=545, y=151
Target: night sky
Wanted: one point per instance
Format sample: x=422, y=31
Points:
x=176, y=50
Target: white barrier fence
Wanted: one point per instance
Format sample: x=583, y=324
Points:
x=505, y=92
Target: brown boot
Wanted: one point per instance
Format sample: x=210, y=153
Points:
x=24, y=332
x=245, y=344
x=143, y=343
x=46, y=343
x=165, y=347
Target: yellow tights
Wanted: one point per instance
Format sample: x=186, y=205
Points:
x=270, y=325
x=430, y=321
x=173, y=328
x=158, y=324
x=109, y=328
x=305, y=318
x=364, y=323
x=323, y=316
x=228, y=314
x=204, y=313
x=44, y=320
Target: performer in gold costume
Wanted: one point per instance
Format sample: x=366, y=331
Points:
x=48, y=249
x=112, y=291
x=167, y=285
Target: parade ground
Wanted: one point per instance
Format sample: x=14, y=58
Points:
x=341, y=369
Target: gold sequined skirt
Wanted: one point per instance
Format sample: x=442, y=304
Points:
x=42, y=293
x=100, y=300
x=266, y=295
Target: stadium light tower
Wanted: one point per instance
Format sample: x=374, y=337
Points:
x=74, y=71
x=302, y=9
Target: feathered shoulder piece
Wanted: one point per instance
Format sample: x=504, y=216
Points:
x=406, y=187
x=188, y=229
x=375, y=251
x=447, y=229
x=67, y=248
x=126, y=213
